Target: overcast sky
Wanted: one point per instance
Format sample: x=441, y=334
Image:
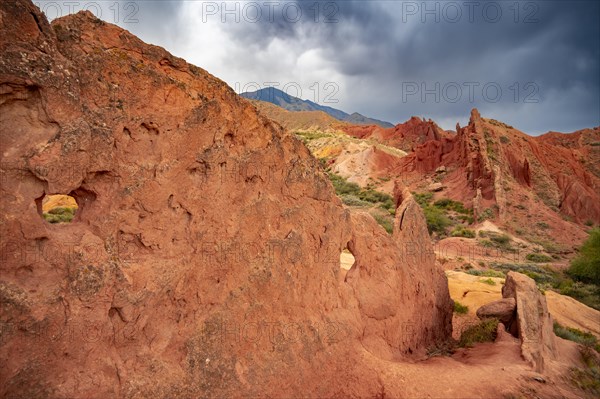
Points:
x=532, y=64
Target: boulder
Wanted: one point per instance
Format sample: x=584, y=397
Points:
x=534, y=323
x=503, y=310
x=435, y=187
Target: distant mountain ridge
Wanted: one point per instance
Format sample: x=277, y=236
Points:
x=294, y=104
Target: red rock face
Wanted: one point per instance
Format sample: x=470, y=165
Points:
x=486, y=155
x=573, y=161
x=405, y=136
x=204, y=257
x=464, y=152
x=534, y=323
x=519, y=168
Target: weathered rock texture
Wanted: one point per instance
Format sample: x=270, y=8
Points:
x=204, y=258
x=499, y=171
x=503, y=310
x=534, y=323
x=514, y=178
x=405, y=136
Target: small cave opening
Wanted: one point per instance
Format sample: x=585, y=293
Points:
x=57, y=208
x=347, y=261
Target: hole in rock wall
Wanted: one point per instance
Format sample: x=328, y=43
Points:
x=59, y=208
x=347, y=260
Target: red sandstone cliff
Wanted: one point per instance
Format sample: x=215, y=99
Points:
x=553, y=178
x=204, y=257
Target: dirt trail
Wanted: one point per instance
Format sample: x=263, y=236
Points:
x=490, y=370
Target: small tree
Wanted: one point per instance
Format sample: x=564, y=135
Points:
x=586, y=266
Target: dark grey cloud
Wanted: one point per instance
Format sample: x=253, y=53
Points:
x=543, y=55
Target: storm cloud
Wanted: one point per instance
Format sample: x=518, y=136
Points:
x=532, y=64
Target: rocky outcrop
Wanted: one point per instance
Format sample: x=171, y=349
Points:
x=435, y=187
x=203, y=260
x=390, y=318
x=503, y=310
x=464, y=152
x=534, y=323
x=495, y=168
x=405, y=136
x=573, y=164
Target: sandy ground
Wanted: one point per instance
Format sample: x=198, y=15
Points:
x=346, y=260
x=489, y=370
x=54, y=201
x=471, y=291
x=571, y=313
x=475, y=291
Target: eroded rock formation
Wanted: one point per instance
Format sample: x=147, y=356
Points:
x=534, y=323
x=204, y=258
x=405, y=136
x=503, y=310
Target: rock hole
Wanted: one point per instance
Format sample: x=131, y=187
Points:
x=57, y=208
x=347, y=261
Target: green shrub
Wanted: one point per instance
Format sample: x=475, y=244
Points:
x=448, y=204
x=352, y=194
x=538, y=258
x=587, y=379
x=352, y=200
x=539, y=274
x=436, y=220
x=496, y=240
x=308, y=136
x=462, y=231
x=501, y=239
x=342, y=186
x=468, y=219
x=385, y=222
x=576, y=335
x=486, y=243
x=588, y=294
x=460, y=308
x=589, y=223
x=586, y=266
x=423, y=199
x=486, y=273
x=375, y=197
x=488, y=213
x=485, y=331
x=60, y=215
x=488, y=281
x=443, y=203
